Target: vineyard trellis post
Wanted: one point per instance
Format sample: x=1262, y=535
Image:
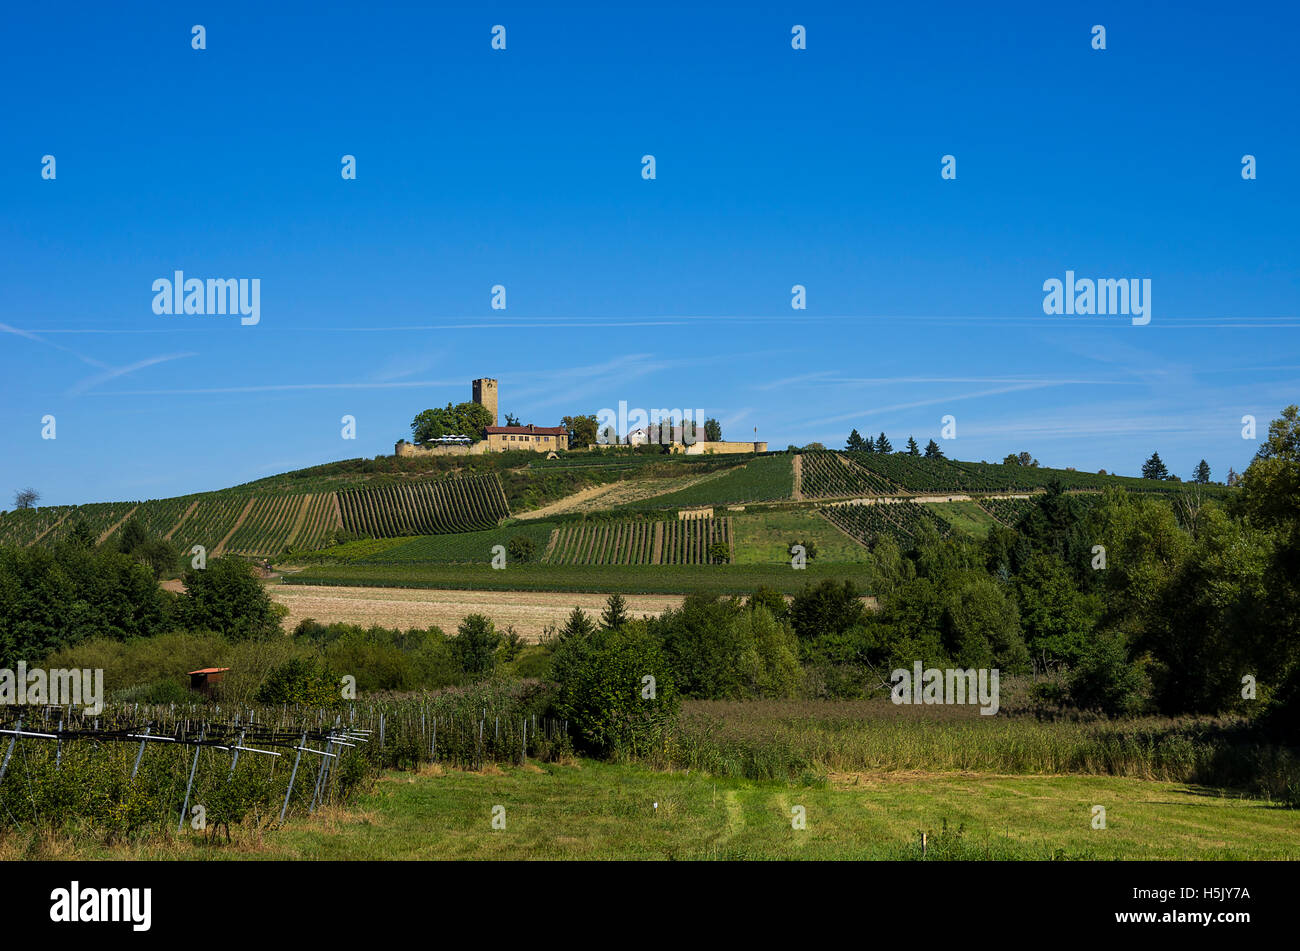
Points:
x=293, y=775
x=194, y=767
x=140, y=755
x=10, y=752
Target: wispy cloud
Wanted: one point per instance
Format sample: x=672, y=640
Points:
x=113, y=373
x=896, y=407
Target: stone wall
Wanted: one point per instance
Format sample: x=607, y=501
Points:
x=404, y=448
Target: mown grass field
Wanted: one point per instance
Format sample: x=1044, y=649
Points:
x=764, y=537
x=965, y=517
x=594, y=810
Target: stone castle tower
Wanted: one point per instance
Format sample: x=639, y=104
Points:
x=485, y=394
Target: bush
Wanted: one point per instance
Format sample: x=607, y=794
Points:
x=1105, y=680
x=828, y=607
x=301, y=680
x=521, y=548
x=600, y=690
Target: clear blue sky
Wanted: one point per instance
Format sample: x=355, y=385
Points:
x=775, y=167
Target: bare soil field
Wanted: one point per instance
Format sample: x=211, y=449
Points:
x=527, y=611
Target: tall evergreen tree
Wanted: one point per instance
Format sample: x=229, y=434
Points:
x=615, y=614
x=1153, y=468
x=932, y=450
x=1202, y=474
x=882, y=444
x=912, y=448
x=855, y=442
x=578, y=625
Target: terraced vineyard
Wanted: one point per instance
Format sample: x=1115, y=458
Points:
x=425, y=508
x=899, y=520
x=830, y=475
x=635, y=542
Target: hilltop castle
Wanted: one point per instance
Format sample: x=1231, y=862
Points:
x=499, y=438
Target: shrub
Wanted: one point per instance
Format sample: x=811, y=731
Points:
x=521, y=548
x=600, y=689
x=301, y=680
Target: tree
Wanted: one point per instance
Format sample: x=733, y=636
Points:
x=882, y=444
x=855, y=442
x=719, y=553
x=463, y=419
x=521, y=548
x=827, y=608
x=511, y=419
x=932, y=450
x=1153, y=468
x=133, y=536
x=712, y=430
x=227, y=598
x=159, y=554
x=1056, y=619
x=913, y=449
x=475, y=644
x=577, y=625
x=81, y=535
x=615, y=613
x=809, y=548
x=582, y=430
x=1020, y=459
x=26, y=498
x=1202, y=474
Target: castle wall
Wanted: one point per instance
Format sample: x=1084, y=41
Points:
x=703, y=448
x=404, y=448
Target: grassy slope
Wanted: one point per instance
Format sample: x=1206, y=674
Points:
x=592, y=810
x=763, y=538
x=965, y=517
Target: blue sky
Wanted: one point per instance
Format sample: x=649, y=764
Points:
x=522, y=167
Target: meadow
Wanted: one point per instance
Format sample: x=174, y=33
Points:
x=589, y=810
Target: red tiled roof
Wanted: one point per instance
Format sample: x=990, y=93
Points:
x=209, y=670
x=526, y=430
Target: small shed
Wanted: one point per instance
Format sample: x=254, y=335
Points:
x=205, y=679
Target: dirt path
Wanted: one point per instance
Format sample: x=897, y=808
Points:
x=302, y=516
x=221, y=545
x=61, y=520
x=797, y=494
x=527, y=611
x=116, y=525
x=188, y=512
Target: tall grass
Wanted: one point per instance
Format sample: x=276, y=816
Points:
x=792, y=739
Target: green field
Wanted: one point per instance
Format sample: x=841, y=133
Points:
x=594, y=810
x=965, y=517
x=624, y=579
x=465, y=548
x=758, y=479
x=763, y=538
